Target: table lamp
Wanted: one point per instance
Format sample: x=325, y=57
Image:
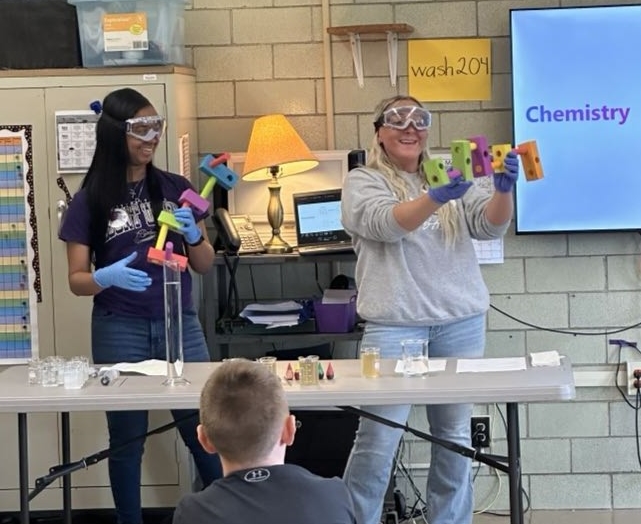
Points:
x=276, y=150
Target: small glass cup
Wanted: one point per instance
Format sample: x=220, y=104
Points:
x=269, y=362
x=59, y=364
x=49, y=374
x=34, y=372
x=308, y=370
x=371, y=362
x=61, y=372
x=415, y=358
x=74, y=375
x=84, y=363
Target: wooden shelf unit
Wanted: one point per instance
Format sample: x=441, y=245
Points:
x=240, y=335
x=354, y=33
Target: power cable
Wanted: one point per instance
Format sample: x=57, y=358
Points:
x=621, y=344
x=564, y=331
x=498, y=492
x=253, y=283
x=637, y=397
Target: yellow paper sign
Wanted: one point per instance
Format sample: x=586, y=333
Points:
x=445, y=70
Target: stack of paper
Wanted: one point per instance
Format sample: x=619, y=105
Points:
x=274, y=315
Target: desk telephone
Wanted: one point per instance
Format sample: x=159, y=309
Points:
x=236, y=233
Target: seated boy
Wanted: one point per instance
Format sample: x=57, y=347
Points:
x=245, y=419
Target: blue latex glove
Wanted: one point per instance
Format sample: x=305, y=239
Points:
x=457, y=187
x=119, y=274
x=185, y=217
x=504, y=182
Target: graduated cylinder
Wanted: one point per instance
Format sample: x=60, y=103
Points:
x=173, y=319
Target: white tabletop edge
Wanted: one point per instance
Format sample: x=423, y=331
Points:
x=348, y=388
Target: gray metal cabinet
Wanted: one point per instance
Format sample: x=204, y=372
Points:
x=63, y=320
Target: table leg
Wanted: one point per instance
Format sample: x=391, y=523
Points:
x=23, y=464
x=514, y=464
x=221, y=283
x=66, y=459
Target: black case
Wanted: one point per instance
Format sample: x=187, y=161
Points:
x=38, y=34
x=323, y=441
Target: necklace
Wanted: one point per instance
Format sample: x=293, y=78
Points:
x=135, y=191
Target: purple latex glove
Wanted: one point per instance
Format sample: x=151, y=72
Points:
x=504, y=182
x=455, y=189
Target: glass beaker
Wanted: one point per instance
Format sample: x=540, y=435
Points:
x=35, y=372
x=308, y=370
x=415, y=359
x=371, y=362
x=269, y=362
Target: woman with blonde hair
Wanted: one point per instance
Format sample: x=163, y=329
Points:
x=418, y=278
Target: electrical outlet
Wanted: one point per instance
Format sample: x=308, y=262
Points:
x=480, y=428
x=633, y=375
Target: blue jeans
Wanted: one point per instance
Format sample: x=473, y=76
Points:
x=449, y=484
x=117, y=338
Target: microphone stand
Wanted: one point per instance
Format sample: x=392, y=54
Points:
x=55, y=472
x=62, y=470
x=494, y=461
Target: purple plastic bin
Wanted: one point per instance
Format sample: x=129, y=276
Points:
x=335, y=318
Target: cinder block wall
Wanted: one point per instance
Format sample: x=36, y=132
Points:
x=255, y=57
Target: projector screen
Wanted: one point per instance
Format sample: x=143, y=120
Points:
x=576, y=88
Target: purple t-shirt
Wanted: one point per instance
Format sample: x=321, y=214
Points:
x=132, y=228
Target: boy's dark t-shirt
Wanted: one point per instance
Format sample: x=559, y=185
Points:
x=282, y=494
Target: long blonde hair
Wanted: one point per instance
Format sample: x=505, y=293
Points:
x=378, y=159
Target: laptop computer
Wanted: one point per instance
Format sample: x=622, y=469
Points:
x=318, y=223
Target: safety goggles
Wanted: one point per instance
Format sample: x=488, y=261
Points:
x=401, y=117
x=146, y=128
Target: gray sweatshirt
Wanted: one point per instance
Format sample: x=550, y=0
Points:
x=411, y=278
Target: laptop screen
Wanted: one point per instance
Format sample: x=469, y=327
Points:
x=318, y=217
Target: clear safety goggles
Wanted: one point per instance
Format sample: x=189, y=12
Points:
x=146, y=128
x=401, y=117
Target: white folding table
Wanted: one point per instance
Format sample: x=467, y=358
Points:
x=348, y=388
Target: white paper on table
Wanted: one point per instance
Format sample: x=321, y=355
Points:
x=151, y=367
x=433, y=365
x=545, y=358
x=482, y=365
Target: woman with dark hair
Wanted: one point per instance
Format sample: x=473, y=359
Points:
x=111, y=223
x=418, y=278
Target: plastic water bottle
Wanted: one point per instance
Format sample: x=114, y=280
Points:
x=108, y=376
